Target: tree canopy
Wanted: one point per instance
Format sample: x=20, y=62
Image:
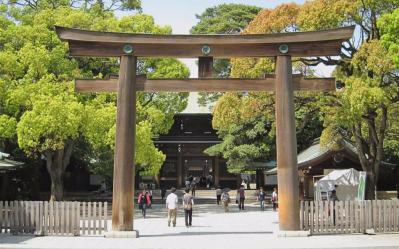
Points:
x=223, y=19
x=361, y=111
x=38, y=103
x=245, y=122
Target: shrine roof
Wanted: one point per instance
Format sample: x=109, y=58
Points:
x=7, y=164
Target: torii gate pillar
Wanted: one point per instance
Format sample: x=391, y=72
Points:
x=124, y=172
x=288, y=193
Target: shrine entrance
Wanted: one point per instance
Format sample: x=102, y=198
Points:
x=129, y=47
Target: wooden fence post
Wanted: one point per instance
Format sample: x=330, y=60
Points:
x=2, y=219
x=106, y=217
x=312, y=221
x=77, y=219
x=306, y=217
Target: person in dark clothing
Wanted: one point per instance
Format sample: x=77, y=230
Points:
x=188, y=202
x=163, y=192
x=209, y=180
x=261, y=198
x=241, y=192
x=334, y=199
x=193, y=186
x=218, y=195
x=144, y=201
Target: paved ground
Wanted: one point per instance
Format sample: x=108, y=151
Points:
x=212, y=228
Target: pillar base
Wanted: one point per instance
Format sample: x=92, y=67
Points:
x=293, y=233
x=122, y=234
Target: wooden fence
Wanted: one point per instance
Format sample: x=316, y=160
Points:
x=53, y=218
x=323, y=217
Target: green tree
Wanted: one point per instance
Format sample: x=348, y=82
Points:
x=363, y=107
x=223, y=19
x=111, y=5
x=51, y=119
x=245, y=122
x=360, y=112
x=7, y=129
x=389, y=27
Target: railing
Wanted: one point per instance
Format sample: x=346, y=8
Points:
x=323, y=217
x=53, y=218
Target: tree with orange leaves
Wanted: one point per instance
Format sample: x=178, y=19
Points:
x=360, y=111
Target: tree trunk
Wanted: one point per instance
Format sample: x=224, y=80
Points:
x=56, y=162
x=370, y=186
x=371, y=153
x=363, y=153
x=57, y=184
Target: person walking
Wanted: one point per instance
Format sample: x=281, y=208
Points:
x=218, y=195
x=149, y=191
x=209, y=180
x=334, y=198
x=103, y=187
x=225, y=200
x=261, y=198
x=187, y=183
x=171, y=206
x=144, y=201
x=274, y=199
x=193, y=186
x=163, y=193
x=241, y=193
x=188, y=203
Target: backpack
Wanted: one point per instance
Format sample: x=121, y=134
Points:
x=187, y=202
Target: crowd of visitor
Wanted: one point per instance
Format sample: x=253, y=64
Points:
x=144, y=201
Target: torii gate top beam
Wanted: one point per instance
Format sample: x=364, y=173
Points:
x=300, y=44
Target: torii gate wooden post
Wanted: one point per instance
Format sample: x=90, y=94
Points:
x=205, y=47
x=123, y=185
x=288, y=183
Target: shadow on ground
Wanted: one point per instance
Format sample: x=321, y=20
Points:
x=203, y=233
x=159, y=210
x=7, y=239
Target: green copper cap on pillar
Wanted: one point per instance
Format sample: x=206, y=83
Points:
x=206, y=49
x=283, y=48
x=127, y=49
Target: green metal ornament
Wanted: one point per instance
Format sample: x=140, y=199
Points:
x=127, y=49
x=283, y=48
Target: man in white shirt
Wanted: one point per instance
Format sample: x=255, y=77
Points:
x=171, y=206
x=274, y=199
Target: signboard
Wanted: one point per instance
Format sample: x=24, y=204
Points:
x=362, y=186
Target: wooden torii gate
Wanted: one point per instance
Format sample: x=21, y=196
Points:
x=128, y=47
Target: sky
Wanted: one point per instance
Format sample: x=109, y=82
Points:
x=180, y=15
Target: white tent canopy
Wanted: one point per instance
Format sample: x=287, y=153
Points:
x=345, y=182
